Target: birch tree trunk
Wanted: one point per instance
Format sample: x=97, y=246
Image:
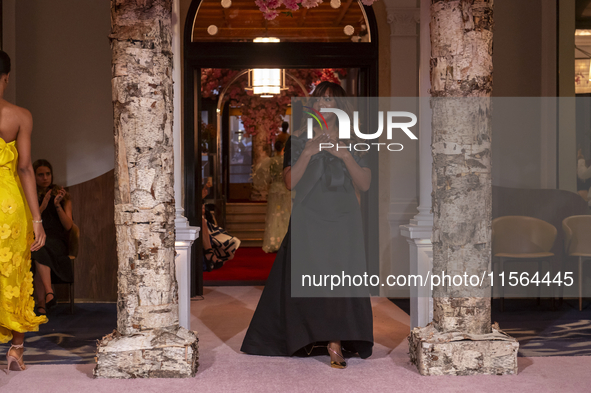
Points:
x=461, y=340
x=462, y=75
x=148, y=341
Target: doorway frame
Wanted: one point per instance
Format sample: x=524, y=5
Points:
x=241, y=55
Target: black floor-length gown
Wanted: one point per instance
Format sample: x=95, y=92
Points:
x=282, y=324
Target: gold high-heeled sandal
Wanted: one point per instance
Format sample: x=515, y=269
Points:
x=334, y=363
x=16, y=361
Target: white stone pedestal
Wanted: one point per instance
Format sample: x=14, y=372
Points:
x=418, y=231
x=421, y=262
x=185, y=236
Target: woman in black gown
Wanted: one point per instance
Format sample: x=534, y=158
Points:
x=329, y=232
x=52, y=259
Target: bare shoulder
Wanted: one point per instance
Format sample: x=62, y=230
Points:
x=24, y=120
x=13, y=120
x=14, y=112
x=23, y=114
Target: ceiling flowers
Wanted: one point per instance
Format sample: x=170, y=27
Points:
x=271, y=8
x=263, y=113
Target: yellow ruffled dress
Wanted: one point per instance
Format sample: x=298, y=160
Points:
x=16, y=236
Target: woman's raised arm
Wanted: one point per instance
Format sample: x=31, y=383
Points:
x=293, y=174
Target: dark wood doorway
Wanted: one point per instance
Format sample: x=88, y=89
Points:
x=291, y=54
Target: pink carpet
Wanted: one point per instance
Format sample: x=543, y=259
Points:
x=221, y=320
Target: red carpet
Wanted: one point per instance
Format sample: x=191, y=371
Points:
x=250, y=264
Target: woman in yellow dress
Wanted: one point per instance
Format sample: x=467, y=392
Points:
x=20, y=220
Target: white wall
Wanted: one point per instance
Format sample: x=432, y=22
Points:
x=567, y=137
x=516, y=143
x=63, y=64
x=517, y=51
x=9, y=44
x=517, y=58
x=398, y=174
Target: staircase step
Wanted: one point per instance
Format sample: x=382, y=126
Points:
x=246, y=208
x=241, y=225
x=246, y=221
x=248, y=234
x=245, y=218
x=251, y=243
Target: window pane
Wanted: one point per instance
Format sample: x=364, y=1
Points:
x=240, y=152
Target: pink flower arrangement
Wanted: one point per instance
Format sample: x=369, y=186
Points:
x=269, y=8
x=263, y=113
x=291, y=4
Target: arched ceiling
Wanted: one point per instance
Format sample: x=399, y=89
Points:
x=243, y=21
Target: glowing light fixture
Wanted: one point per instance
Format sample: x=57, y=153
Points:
x=212, y=30
x=266, y=39
x=266, y=82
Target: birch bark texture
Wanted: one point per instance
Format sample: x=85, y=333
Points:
x=461, y=86
x=461, y=339
x=148, y=341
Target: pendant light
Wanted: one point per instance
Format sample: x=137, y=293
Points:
x=266, y=82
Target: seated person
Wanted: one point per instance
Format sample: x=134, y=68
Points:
x=52, y=259
x=218, y=246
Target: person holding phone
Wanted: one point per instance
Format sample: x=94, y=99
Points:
x=324, y=235
x=51, y=260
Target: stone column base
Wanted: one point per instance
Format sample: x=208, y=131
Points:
x=436, y=353
x=159, y=353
